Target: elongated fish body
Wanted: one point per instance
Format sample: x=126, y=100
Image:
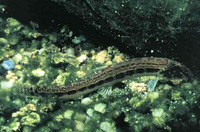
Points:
x=110, y=75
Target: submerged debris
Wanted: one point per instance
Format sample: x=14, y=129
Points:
x=152, y=84
x=8, y=64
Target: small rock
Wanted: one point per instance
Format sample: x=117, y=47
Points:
x=153, y=95
x=3, y=41
x=86, y=101
x=80, y=117
x=70, y=52
x=68, y=114
x=17, y=58
x=82, y=58
x=157, y=112
x=79, y=125
x=167, y=87
x=102, y=57
x=80, y=74
x=187, y=85
x=90, y=112
x=139, y=87
x=101, y=107
x=8, y=64
x=13, y=39
x=7, y=84
x=106, y=126
x=118, y=58
x=38, y=72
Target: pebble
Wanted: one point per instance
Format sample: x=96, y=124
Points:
x=90, y=112
x=157, y=112
x=79, y=125
x=8, y=64
x=68, y=114
x=101, y=107
x=106, y=126
x=38, y=72
x=86, y=101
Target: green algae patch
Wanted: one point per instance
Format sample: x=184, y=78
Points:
x=31, y=120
